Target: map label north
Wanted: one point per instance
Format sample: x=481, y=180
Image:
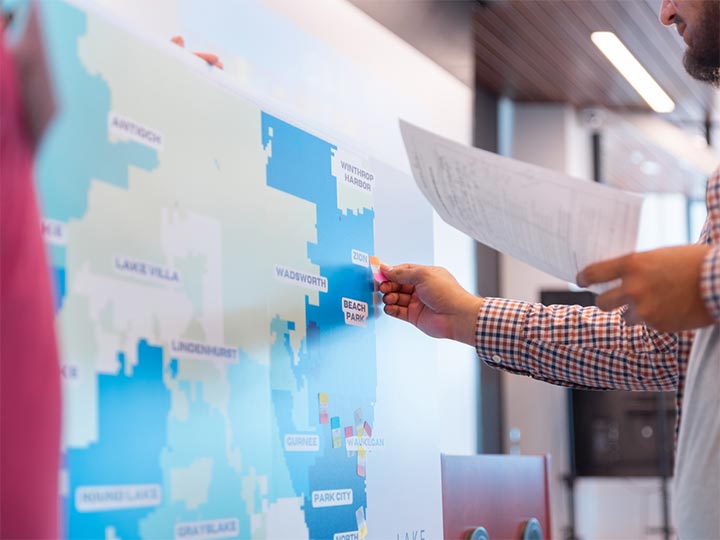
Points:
x=350, y=535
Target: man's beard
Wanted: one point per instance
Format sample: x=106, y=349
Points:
x=702, y=59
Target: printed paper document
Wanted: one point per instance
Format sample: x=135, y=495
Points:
x=551, y=221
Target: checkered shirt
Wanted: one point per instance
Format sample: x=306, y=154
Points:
x=587, y=348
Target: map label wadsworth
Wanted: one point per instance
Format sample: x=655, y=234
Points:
x=146, y=270
x=125, y=128
x=355, y=311
x=208, y=530
x=299, y=442
x=203, y=351
x=332, y=497
x=301, y=279
x=104, y=498
x=360, y=258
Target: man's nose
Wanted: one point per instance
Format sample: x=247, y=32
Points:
x=667, y=12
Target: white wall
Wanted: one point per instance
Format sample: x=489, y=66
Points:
x=336, y=68
x=546, y=135
x=606, y=508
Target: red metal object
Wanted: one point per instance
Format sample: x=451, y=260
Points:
x=498, y=492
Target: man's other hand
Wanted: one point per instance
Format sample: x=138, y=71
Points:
x=431, y=299
x=210, y=58
x=660, y=287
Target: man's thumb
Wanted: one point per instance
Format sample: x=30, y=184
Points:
x=405, y=274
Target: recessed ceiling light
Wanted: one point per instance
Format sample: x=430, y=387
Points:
x=633, y=71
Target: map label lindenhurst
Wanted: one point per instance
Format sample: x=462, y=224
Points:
x=204, y=351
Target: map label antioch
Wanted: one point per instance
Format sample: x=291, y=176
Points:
x=125, y=128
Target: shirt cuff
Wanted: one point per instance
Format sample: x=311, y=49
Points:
x=500, y=328
x=710, y=282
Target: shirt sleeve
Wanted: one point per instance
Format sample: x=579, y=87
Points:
x=710, y=282
x=579, y=347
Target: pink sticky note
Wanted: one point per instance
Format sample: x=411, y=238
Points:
x=368, y=429
x=348, y=432
x=375, y=267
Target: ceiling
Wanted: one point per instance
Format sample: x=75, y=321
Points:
x=540, y=50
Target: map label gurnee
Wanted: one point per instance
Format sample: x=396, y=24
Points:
x=299, y=442
x=208, y=530
x=54, y=232
x=203, y=351
x=360, y=258
x=302, y=279
x=103, y=498
x=355, y=311
x=125, y=128
x=332, y=497
x=146, y=270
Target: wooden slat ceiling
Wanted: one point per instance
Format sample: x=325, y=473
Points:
x=540, y=50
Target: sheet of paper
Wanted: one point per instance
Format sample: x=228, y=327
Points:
x=551, y=221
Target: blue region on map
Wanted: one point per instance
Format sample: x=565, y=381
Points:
x=201, y=436
x=58, y=281
x=336, y=358
x=132, y=418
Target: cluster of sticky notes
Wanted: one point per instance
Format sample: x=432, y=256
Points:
x=323, y=402
x=361, y=523
x=375, y=267
x=336, y=432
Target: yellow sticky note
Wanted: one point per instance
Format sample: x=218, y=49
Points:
x=323, y=397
